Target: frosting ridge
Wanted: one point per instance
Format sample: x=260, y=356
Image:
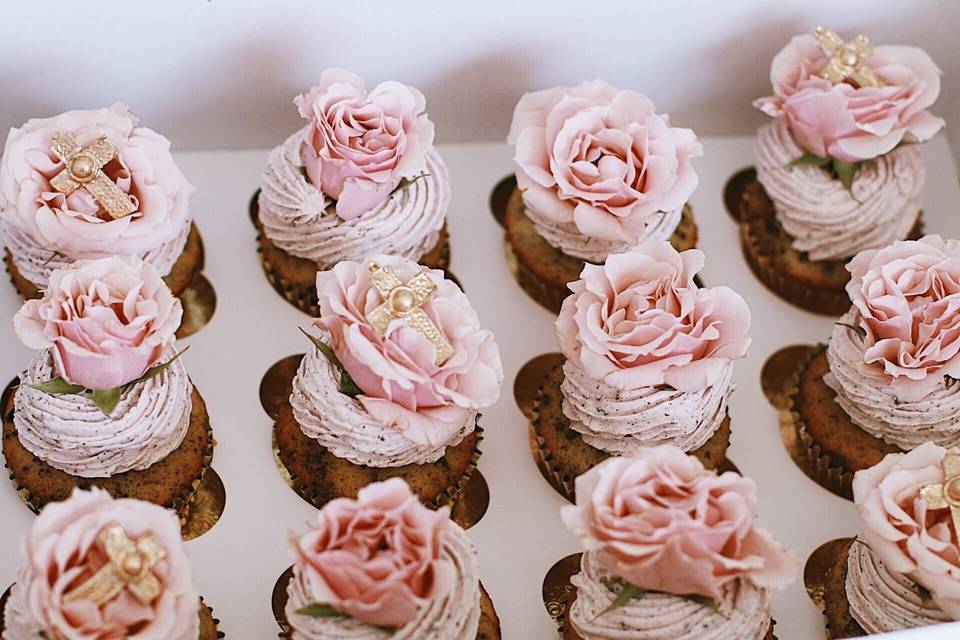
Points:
x=822, y=217
x=301, y=219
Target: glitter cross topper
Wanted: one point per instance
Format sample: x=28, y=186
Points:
x=848, y=60
x=83, y=168
x=406, y=301
x=129, y=566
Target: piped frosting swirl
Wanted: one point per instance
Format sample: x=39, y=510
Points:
x=872, y=404
x=36, y=262
x=454, y=616
x=70, y=433
x=742, y=614
x=567, y=238
x=621, y=422
x=301, y=220
x=343, y=427
x=823, y=218
x=883, y=601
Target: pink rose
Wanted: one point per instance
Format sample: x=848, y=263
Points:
x=360, y=145
x=663, y=523
x=62, y=551
x=376, y=558
x=898, y=527
x=403, y=386
x=847, y=122
x=76, y=225
x=907, y=296
x=640, y=320
x=105, y=321
x=601, y=158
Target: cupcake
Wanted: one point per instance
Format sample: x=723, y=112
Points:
x=104, y=568
x=393, y=386
x=598, y=172
x=672, y=552
x=106, y=401
x=648, y=361
x=887, y=380
x=903, y=569
x=92, y=184
x=384, y=566
x=836, y=171
x=361, y=177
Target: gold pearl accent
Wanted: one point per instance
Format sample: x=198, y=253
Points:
x=848, y=56
x=133, y=565
x=952, y=491
x=82, y=167
x=403, y=300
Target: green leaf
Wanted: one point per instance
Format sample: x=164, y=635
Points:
x=57, y=387
x=347, y=386
x=627, y=593
x=807, y=159
x=704, y=601
x=107, y=399
x=406, y=182
x=859, y=330
x=53, y=256
x=845, y=172
x=319, y=610
x=158, y=369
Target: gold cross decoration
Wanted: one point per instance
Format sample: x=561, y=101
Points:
x=406, y=301
x=83, y=168
x=848, y=60
x=947, y=494
x=129, y=565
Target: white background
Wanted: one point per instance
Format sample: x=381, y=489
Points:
x=216, y=74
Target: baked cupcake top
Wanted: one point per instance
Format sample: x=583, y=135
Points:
x=895, y=356
x=90, y=184
x=361, y=177
x=904, y=571
x=672, y=552
x=600, y=170
x=105, y=392
x=104, y=568
x=649, y=352
x=837, y=105
x=401, y=367
x=383, y=566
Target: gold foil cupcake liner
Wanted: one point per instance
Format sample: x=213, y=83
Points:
x=809, y=456
x=449, y=496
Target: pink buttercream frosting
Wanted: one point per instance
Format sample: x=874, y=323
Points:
x=599, y=162
x=661, y=522
x=62, y=553
x=104, y=321
x=845, y=121
x=403, y=387
x=902, y=531
x=42, y=223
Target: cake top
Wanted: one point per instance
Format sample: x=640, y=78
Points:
x=106, y=323
x=89, y=184
x=360, y=146
x=641, y=320
x=408, y=344
x=660, y=522
x=601, y=158
x=378, y=559
x=100, y=567
x=851, y=101
x=906, y=303
x=910, y=509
